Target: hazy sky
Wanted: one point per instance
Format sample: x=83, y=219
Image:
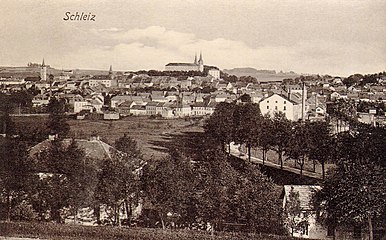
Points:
x=325, y=37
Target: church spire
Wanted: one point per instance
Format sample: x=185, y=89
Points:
x=200, y=60
x=43, y=65
x=111, y=69
x=195, y=58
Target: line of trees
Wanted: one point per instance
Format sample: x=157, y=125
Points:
x=353, y=193
x=244, y=124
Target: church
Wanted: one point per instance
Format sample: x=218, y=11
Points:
x=195, y=66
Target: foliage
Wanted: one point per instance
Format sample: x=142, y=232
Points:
x=78, y=232
x=168, y=183
x=128, y=145
x=220, y=124
x=296, y=219
x=280, y=135
x=56, y=123
x=16, y=173
x=355, y=192
x=68, y=180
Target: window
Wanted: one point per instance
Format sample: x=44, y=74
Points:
x=267, y=101
x=275, y=101
x=305, y=229
x=285, y=102
x=267, y=107
x=275, y=107
x=284, y=108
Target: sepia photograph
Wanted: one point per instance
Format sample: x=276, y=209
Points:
x=192, y=119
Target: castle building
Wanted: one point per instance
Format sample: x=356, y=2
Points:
x=43, y=72
x=195, y=66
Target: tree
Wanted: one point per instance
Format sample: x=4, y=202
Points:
x=354, y=195
x=246, y=119
x=321, y=143
x=116, y=183
x=168, y=183
x=298, y=146
x=68, y=179
x=16, y=173
x=129, y=146
x=296, y=219
x=220, y=125
x=263, y=136
x=56, y=123
x=280, y=134
x=355, y=192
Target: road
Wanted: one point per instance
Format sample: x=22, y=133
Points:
x=236, y=153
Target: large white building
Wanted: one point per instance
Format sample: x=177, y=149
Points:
x=195, y=66
x=279, y=103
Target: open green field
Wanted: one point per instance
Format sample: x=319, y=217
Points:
x=144, y=130
x=77, y=232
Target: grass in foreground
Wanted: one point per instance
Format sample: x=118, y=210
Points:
x=77, y=232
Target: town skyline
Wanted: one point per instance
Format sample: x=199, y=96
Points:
x=333, y=37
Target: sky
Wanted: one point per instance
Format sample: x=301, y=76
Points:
x=320, y=37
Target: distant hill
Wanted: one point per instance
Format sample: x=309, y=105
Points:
x=261, y=75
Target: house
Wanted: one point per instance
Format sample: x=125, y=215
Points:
x=306, y=222
x=138, y=110
x=118, y=100
x=307, y=226
x=105, y=82
x=214, y=72
x=280, y=103
x=96, y=152
x=40, y=100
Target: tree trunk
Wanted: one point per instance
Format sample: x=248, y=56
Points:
x=162, y=220
x=371, y=237
x=281, y=159
x=9, y=202
x=323, y=174
x=314, y=165
x=263, y=156
x=75, y=215
x=249, y=152
x=128, y=211
x=118, y=214
x=229, y=149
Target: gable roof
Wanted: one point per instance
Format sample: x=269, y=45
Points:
x=305, y=194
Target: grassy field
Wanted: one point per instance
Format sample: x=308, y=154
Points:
x=144, y=130
x=152, y=135
x=77, y=232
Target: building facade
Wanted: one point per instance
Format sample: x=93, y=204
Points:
x=195, y=66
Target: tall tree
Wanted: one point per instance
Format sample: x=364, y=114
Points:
x=167, y=183
x=354, y=195
x=115, y=184
x=57, y=123
x=355, y=192
x=246, y=119
x=128, y=145
x=280, y=134
x=263, y=136
x=220, y=125
x=322, y=144
x=16, y=173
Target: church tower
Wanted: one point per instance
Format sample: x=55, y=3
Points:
x=111, y=74
x=201, y=63
x=43, y=72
